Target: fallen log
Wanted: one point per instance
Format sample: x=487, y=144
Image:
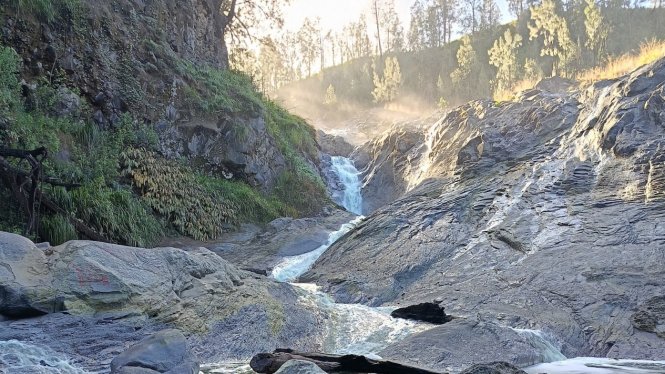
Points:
x=269, y=363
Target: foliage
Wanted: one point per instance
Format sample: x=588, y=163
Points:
x=555, y=35
x=58, y=228
x=250, y=205
x=50, y=10
x=172, y=190
x=596, y=28
x=331, y=97
x=503, y=55
x=466, y=60
x=386, y=88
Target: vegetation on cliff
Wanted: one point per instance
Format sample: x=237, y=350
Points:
x=129, y=192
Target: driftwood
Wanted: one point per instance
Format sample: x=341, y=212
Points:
x=269, y=363
x=21, y=183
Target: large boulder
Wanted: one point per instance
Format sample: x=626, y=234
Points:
x=24, y=278
x=195, y=291
x=163, y=352
x=299, y=367
x=462, y=343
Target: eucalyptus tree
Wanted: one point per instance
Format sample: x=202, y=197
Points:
x=241, y=20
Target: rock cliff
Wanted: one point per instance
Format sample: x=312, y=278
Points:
x=544, y=213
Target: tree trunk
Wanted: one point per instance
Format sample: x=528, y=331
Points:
x=269, y=363
x=378, y=27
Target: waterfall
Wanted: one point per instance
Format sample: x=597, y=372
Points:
x=292, y=267
x=543, y=344
x=20, y=357
x=349, y=176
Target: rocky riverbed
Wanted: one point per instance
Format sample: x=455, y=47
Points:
x=538, y=224
x=545, y=213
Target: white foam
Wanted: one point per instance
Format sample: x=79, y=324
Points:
x=21, y=357
x=351, y=200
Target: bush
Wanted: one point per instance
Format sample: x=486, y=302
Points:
x=172, y=190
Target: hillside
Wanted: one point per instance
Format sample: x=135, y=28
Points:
x=427, y=75
x=132, y=102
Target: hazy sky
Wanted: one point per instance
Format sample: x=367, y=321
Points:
x=337, y=13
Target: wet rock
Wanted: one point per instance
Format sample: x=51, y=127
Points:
x=334, y=145
x=299, y=367
x=545, y=213
x=651, y=316
x=426, y=312
x=494, y=368
x=280, y=238
x=462, y=343
x=163, y=352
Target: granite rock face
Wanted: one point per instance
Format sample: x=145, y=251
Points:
x=545, y=213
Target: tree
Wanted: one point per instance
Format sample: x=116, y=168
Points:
x=466, y=59
x=416, y=35
x=308, y=41
x=448, y=17
x=469, y=15
x=386, y=88
x=377, y=11
x=554, y=31
x=240, y=23
x=516, y=7
x=331, y=97
x=503, y=55
x=489, y=14
x=596, y=28
x=392, y=28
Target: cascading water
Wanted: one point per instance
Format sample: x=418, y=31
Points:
x=292, y=267
x=348, y=175
x=18, y=357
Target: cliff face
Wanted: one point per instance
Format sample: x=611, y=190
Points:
x=160, y=61
x=543, y=213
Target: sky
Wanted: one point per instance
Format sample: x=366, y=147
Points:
x=335, y=14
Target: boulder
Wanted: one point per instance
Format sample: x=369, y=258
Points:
x=426, y=312
x=462, y=343
x=24, y=278
x=334, y=145
x=195, y=291
x=299, y=367
x=163, y=352
x=494, y=368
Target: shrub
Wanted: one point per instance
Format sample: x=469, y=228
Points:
x=172, y=190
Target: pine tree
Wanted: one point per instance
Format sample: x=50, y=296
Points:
x=466, y=59
x=489, y=13
x=596, y=28
x=503, y=55
x=416, y=35
x=387, y=88
x=330, y=98
x=556, y=37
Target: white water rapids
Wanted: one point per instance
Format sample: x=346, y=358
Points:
x=351, y=200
